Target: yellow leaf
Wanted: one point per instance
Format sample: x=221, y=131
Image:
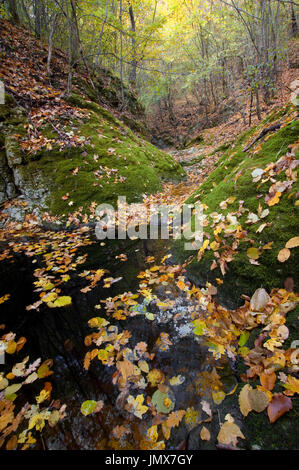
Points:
x=11, y=347
x=136, y=406
x=51, y=297
x=152, y=434
x=292, y=384
x=218, y=397
x=293, y=242
x=155, y=377
x=274, y=200
x=63, y=301
x=253, y=253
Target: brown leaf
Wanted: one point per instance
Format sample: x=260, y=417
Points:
x=258, y=400
x=280, y=404
x=268, y=380
x=12, y=443
x=175, y=418
x=289, y=284
x=284, y=255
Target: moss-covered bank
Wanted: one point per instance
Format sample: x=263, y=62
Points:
x=233, y=179
x=107, y=161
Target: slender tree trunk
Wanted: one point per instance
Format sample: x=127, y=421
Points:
x=133, y=74
x=121, y=55
x=74, y=31
x=250, y=108
x=70, y=47
x=258, y=107
x=294, y=24
x=52, y=31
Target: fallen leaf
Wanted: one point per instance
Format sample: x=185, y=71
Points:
x=292, y=243
x=244, y=403
x=229, y=434
x=283, y=255
x=279, y=405
x=258, y=400
x=253, y=253
x=268, y=380
x=205, y=434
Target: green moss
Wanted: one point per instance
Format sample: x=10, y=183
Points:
x=187, y=143
x=111, y=162
x=243, y=277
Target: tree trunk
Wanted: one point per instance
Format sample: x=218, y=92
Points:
x=258, y=107
x=294, y=24
x=38, y=18
x=121, y=56
x=74, y=32
x=52, y=31
x=133, y=74
x=13, y=11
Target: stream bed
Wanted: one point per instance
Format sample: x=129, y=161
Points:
x=59, y=334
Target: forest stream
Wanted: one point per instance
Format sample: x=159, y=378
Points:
x=59, y=335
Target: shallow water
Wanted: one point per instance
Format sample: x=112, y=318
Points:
x=59, y=334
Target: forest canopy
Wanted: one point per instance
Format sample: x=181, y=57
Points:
x=209, y=49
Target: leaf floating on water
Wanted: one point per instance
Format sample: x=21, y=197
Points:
x=229, y=433
x=218, y=397
x=135, y=405
x=62, y=301
x=175, y=418
x=159, y=403
x=88, y=407
x=178, y=380
x=205, y=434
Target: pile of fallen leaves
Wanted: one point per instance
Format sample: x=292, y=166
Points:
x=20, y=421
x=146, y=392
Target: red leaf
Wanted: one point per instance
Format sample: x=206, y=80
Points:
x=279, y=405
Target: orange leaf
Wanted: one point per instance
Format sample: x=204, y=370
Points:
x=275, y=199
x=268, y=380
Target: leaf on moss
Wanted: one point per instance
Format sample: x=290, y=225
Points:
x=279, y=405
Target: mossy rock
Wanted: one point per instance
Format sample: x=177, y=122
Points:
x=243, y=277
x=110, y=162
x=190, y=142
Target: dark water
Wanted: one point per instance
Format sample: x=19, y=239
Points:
x=59, y=334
